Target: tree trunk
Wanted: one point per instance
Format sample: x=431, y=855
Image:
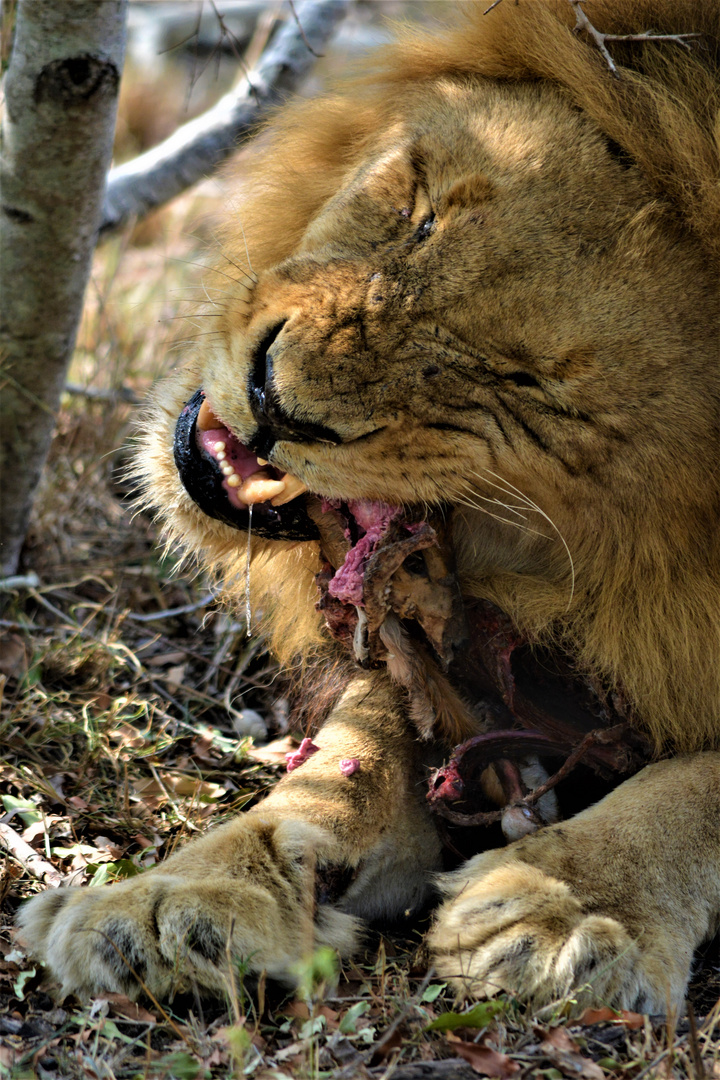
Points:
x=61, y=92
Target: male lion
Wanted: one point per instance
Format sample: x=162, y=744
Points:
x=478, y=310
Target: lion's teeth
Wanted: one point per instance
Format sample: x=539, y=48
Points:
x=257, y=488
x=234, y=481
x=206, y=418
x=292, y=487
x=261, y=461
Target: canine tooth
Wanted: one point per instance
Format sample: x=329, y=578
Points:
x=234, y=480
x=257, y=488
x=292, y=487
x=219, y=446
x=206, y=418
x=261, y=461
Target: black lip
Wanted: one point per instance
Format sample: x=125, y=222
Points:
x=202, y=479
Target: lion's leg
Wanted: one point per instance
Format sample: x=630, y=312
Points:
x=294, y=872
x=609, y=906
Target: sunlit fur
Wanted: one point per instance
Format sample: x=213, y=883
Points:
x=594, y=272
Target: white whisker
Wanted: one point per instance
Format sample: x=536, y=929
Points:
x=538, y=510
x=496, y=502
x=496, y=517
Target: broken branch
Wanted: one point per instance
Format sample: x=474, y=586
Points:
x=28, y=858
x=583, y=23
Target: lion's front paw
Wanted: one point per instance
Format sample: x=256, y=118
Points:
x=518, y=929
x=244, y=892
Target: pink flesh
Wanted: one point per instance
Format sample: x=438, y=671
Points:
x=349, y=765
x=298, y=757
x=374, y=518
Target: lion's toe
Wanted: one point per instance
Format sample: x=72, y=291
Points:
x=96, y=941
x=522, y=931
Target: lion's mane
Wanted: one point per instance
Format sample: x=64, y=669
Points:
x=645, y=610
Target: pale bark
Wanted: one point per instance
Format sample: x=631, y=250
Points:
x=31, y=860
x=198, y=147
x=60, y=103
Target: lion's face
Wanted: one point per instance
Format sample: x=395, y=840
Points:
x=486, y=305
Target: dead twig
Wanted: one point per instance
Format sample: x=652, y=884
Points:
x=97, y=393
x=583, y=23
x=197, y=148
x=170, y=613
x=28, y=858
x=697, y=1060
x=319, y=55
x=19, y=581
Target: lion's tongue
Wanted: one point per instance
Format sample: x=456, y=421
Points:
x=373, y=518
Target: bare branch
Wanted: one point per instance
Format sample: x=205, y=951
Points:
x=583, y=23
x=300, y=28
x=198, y=147
x=28, y=858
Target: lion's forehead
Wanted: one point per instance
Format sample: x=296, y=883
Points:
x=506, y=131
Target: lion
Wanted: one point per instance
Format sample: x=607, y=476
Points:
x=473, y=293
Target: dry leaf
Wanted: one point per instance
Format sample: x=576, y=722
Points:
x=171, y=783
x=127, y=735
x=38, y=828
x=385, y=1045
x=13, y=656
x=565, y=1055
x=273, y=753
x=174, y=677
x=7, y=1056
x=104, y=843
x=162, y=659
x=484, y=1060
x=298, y=1010
x=119, y=1005
x=631, y=1020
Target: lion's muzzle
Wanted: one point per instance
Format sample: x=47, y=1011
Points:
x=216, y=469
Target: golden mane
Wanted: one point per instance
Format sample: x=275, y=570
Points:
x=646, y=611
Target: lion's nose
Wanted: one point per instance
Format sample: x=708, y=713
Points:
x=264, y=399
x=265, y=402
